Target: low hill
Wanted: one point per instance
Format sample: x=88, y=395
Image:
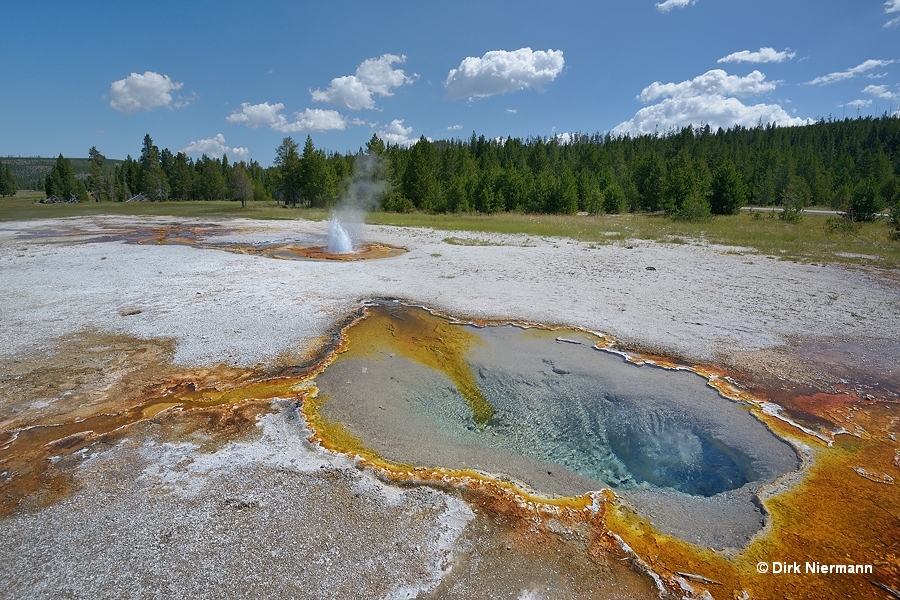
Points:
x=31, y=171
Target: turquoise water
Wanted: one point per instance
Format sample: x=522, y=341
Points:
x=586, y=424
x=567, y=417
x=588, y=410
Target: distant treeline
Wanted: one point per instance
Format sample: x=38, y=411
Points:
x=851, y=165
x=31, y=172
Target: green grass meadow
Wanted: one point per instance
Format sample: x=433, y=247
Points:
x=812, y=240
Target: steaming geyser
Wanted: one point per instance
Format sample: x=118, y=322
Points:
x=339, y=240
x=345, y=227
x=361, y=196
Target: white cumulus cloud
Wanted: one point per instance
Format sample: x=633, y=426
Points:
x=269, y=115
x=764, y=55
x=670, y=4
x=216, y=147
x=852, y=72
x=256, y=115
x=143, y=92
x=716, y=111
x=374, y=76
x=715, y=81
x=315, y=119
x=711, y=98
x=397, y=133
x=501, y=71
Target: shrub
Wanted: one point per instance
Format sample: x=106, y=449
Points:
x=614, y=200
x=895, y=220
x=842, y=225
x=791, y=208
x=695, y=207
x=865, y=202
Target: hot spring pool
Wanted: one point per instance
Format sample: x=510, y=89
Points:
x=551, y=410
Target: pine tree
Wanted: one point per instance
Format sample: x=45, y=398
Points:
x=287, y=161
x=316, y=180
x=181, y=177
x=729, y=193
x=419, y=183
x=209, y=180
x=649, y=179
x=589, y=194
x=8, y=184
x=375, y=145
x=153, y=180
x=565, y=196
x=614, y=201
x=97, y=184
x=62, y=183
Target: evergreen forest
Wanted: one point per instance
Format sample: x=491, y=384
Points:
x=851, y=165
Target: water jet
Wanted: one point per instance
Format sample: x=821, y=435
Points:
x=339, y=240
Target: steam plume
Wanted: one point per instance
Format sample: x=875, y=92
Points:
x=362, y=196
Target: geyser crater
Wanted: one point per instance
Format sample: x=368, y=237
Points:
x=563, y=417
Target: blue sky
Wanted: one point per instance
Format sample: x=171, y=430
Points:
x=238, y=77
